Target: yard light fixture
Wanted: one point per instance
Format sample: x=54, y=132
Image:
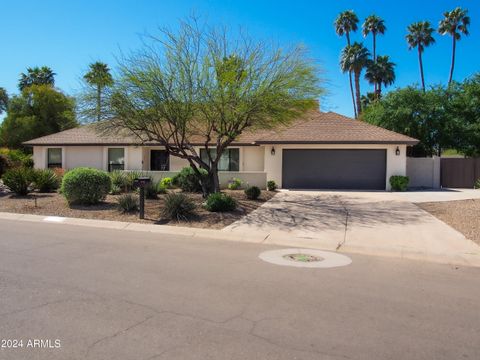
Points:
x=272, y=151
x=397, y=151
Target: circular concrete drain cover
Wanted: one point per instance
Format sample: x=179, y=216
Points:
x=308, y=258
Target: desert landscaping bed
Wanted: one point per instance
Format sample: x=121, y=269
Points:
x=462, y=215
x=54, y=204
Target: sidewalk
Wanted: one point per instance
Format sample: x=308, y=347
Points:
x=468, y=256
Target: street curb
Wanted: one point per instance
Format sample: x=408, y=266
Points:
x=258, y=237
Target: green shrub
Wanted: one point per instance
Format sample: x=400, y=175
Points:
x=17, y=157
x=219, y=202
x=477, y=184
x=85, y=186
x=46, y=180
x=253, y=192
x=399, y=183
x=161, y=189
x=188, y=181
x=178, y=207
x=18, y=180
x=127, y=203
x=119, y=179
x=235, y=184
x=130, y=177
x=166, y=182
x=115, y=190
x=271, y=185
x=151, y=190
x=5, y=164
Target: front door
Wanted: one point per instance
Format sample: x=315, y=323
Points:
x=159, y=160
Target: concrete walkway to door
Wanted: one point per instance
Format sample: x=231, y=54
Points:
x=375, y=223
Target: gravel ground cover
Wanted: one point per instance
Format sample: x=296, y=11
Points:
x=462, y=215
x=54, y=204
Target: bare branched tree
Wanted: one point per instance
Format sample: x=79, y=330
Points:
x=204, y=86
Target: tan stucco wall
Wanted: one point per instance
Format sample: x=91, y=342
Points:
x=83, y=156
x=396, y=165
x=252, y=158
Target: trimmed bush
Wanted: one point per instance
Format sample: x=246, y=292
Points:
x=46, y=180
x=219, y=202
x=127, y=203
x=399, y=183
x=85, y=186
x=235, y=184
x=166, y=183
x=178, y=207
x=253, y=192
x=188, y=181
x=161, y=189
x=271, y=185
x=18, y=180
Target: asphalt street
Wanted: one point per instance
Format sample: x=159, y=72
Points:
x=92, y=293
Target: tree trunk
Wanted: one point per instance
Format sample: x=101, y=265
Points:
x=375, y=84
x=347, y=34
x=99, y=99
x=454, y=43
x=214, y=179
x=357, y=92
x=353, y=95
x=421, y=69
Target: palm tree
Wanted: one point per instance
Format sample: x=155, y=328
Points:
x=368, y=99
x=375, y=25
x=380, y=72
x=99, y=77
x=454, y=23
x=345, y=23
x=354, y=59
x=420, y=36
x=36, y=76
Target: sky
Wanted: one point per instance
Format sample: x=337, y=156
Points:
x=68, y=35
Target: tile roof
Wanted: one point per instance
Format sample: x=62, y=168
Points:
x=314, y=127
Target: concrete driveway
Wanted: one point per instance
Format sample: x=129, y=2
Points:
x=377, y=223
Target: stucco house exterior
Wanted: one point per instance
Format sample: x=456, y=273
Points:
x=321, y=150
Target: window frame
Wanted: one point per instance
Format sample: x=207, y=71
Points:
x=111, y=166
x=54, y=165
x=227, y=150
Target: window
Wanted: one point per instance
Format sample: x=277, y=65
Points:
x=116, y=159
x=229, y=161
x=54, y=156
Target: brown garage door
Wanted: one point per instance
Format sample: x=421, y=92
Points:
x=362, y=169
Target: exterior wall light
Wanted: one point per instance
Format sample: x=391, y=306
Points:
x=397, y=151
x=272, y=151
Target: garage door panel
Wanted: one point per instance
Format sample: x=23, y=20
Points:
x=334, y=169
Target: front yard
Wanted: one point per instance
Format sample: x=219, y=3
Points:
x=462, y=215
x=54, y=204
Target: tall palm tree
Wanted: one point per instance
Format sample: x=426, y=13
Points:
x=36, y=76
x=354, y=59
x=420, y=36
x=375, y=25
x=380, y=72
x=99, y=77
x=454, y=23
x=345, y=23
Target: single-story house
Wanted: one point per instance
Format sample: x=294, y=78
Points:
x=321, y=150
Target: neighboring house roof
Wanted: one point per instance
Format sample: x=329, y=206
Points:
x=314, y=127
